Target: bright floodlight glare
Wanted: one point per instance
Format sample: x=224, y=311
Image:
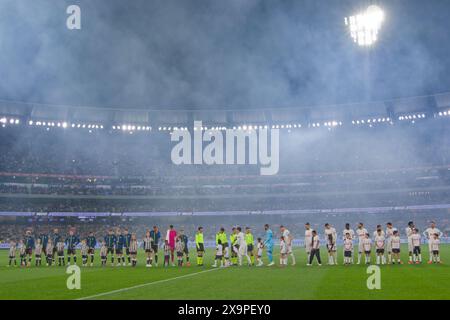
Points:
x=364, y=26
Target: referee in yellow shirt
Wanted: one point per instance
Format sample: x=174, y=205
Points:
x=199, y=243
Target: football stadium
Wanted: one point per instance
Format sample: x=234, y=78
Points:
x=224, y=150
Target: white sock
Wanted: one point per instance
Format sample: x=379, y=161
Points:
x=293, y=258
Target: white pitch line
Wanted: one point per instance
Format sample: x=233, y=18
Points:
x=144, y=285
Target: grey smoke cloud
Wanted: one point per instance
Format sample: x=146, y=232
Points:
x=214, y=54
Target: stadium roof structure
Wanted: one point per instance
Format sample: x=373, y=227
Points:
x=429, y=105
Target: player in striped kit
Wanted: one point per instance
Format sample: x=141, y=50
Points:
x=288, y=238
x=60, y=252
x=84, y=252
x=12, y=253
x=49, y=253
x=147, y=243
x=409, y=232
x=380, y=242
x=179, y=248
x=331, y=236
x=395, y=247
x=38, y=253
x=22, y=254
x=133, y=246
x=429, y=235
x=389, y=233
x=308, y=240
x=416, y=241
x=167, y=250
x=103, y=253
x=361, y=233
x=348, y=249
x=234, y=246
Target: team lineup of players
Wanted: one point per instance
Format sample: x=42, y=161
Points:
x=122, y=247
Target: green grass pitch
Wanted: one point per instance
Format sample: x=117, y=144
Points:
x=299, y=282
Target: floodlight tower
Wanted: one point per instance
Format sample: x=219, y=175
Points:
x=364, y=27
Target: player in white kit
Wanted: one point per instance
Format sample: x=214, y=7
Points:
x=409, y=232
x=308, y=239
x=429, y=235
x=283, y=252
x=288, y=239
x=361, y=233
x=388, y=234
x=416, y=241
x=395, y=247
x=259, y=252
x=348, y=231
x=435, y=242
x=379, y=246
x=367, y=247
x=331, y=236
x=242, y=247
x=375, y=233
x=348, y=249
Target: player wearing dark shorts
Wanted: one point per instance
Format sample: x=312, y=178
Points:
x=91, y=242
x=119, y=248
x=71, y=242
x=147, y=242
x=110, y=242
x=185, y=240
x=44, y=241
x=156, y=236
x=199, y=243
x=29, y=246
x=127, y=237
x=55, y=239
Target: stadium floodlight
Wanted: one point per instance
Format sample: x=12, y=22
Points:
x=365, y=26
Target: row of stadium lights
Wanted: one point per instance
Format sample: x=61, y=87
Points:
x=64, y=125
x=132, y=128
x=11, y=121
x=412, y=117
x=372, y=121
x=329, y=124
x=444, y=113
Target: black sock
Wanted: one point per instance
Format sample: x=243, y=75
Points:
x=187, y=258
x=156, y=258
x=112, y=259
x=129, y=259
x=92, y=258
x=68, y=259
x=74, y=259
